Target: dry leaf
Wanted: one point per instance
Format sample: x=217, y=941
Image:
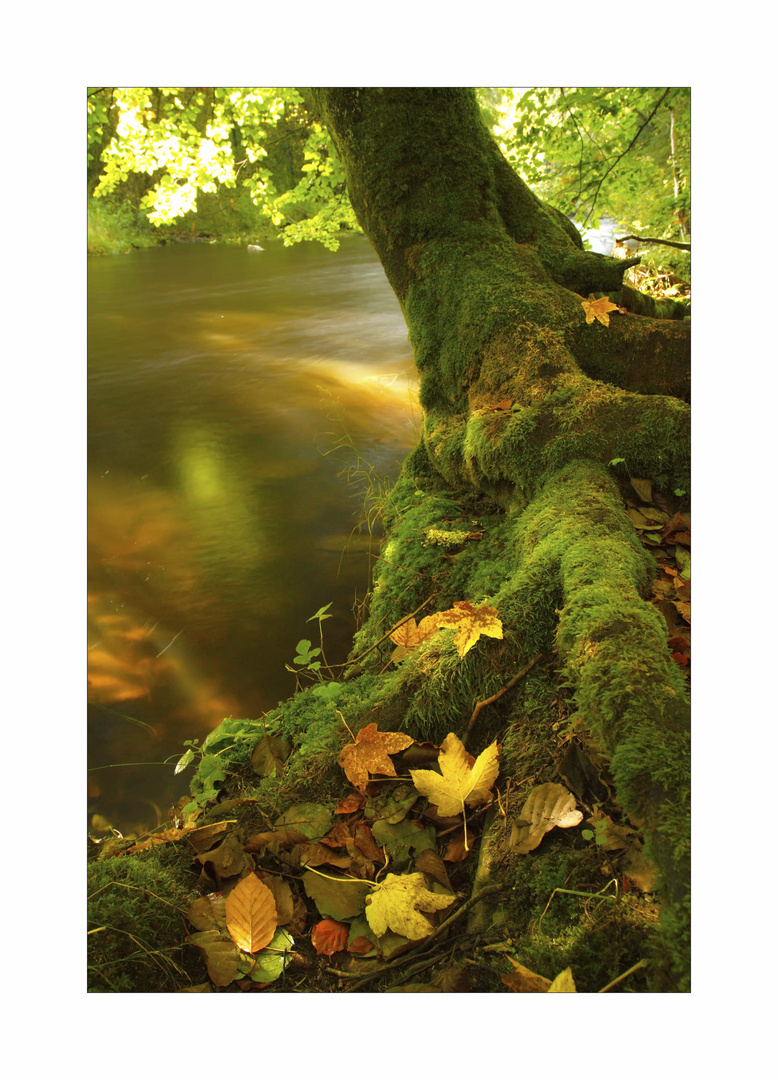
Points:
x=523, y=981
x=548, y=806
x=370, y=753
x=470, y=623
x=221, y=957
x=329, y=936
x=409, y=635
x=397, y=904
x=598, y=309
x=458, y=782
x=563, y=983
x=251, y=914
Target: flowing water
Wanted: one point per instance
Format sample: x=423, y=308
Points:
x=219, y=382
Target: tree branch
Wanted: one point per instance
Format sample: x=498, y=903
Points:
x=653, y=240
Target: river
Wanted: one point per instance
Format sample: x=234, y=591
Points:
x=219, y=515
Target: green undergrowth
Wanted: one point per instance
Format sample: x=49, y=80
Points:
x=135, y=914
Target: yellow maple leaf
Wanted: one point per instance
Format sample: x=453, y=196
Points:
x=409, y=635
x=397, y=904
x=459, y=782
x=370, y=753
x=598, y=309
x=470, y=623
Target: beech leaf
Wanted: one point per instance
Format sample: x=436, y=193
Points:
x=548, y=806
x=397, y=904
x=370, y=753
x=251, y=914
x=329, y=936
x=459, y=782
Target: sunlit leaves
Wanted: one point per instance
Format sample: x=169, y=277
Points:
x=460, y=780
x=251, y=914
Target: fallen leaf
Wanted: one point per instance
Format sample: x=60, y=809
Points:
x=470, y=623
x=457, y=848
x=363, y=837
x=403, y=838
x=329, y=936
x=598, y=309
x=353, y=802
x=641, y=487
x=409, y=635
x=271, y=962
x=208, y=912
x=458, y=782
x=269, y=755
x=222, y=958
x=370, y=753
x=282, y=894
x=523, y=981
x=340, y=898
x=548, y=806
x=452, y=980
x=563, y=983
x=313, y=820
x=397, y=904
x=252, y=918
x=429, y=862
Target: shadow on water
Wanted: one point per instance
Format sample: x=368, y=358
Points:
x=217, y=521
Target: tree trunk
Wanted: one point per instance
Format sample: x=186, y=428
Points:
x=491, y=282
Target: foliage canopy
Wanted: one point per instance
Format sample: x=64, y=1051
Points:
x=263, y=153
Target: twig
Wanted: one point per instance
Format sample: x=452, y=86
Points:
x=653, y=240
x=499, y=694
x=639, y=964
x=487, y=891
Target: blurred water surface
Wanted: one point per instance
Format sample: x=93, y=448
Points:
x=218, y=380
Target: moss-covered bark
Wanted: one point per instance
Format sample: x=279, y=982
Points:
x=491, y=283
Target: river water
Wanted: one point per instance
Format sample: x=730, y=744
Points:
x=219, y=515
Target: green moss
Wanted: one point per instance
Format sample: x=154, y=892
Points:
x=136, y=941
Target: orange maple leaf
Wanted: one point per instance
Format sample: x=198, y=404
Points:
x=470, y=623
x=370, y=753
x=409, y=635
x=598, y=309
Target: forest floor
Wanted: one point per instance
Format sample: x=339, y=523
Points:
x=385, y=864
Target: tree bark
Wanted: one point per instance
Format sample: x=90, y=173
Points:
x=491, y=283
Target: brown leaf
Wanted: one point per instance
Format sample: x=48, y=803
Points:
x=282, y=895
x=269, y=755
x=337, y=836
x=353, y=802
x=251, y=914
x=329, y=936
x=370, y=753
x=456, y=850
x=452, y=980
x=641, y=487
x=363, y=837
x=523, y=981
x=429, y=862
x=598, y=309
x=221, y=957
x=316, y=854
x=274, y=839
x=470, y=623
x=548, y=806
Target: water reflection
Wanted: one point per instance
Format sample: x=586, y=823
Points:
x=218, y=380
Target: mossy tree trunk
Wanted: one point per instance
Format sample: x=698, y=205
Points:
x=490, y=281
